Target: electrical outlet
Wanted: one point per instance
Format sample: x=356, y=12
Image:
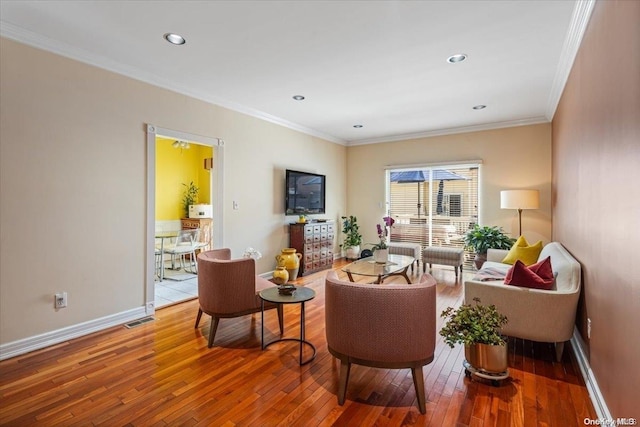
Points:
x=236, y=205
x=589, y=328
x=60, y=300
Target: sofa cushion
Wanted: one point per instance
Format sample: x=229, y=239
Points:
x=537, y=276
x=521, y=250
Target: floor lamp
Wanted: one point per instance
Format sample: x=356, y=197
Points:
x=520, y=199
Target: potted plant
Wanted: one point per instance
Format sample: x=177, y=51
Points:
x=381, y=250
x=482, y=238
x=353, y=238
x=190, y=197
x=478, y=327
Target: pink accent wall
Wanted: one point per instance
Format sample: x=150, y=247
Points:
x=596, y=195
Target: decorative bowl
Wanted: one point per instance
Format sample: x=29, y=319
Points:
x=286, y=289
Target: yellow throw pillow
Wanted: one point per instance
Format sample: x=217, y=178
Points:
x=521, y=250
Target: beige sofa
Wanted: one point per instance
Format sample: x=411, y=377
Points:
x=534, y=314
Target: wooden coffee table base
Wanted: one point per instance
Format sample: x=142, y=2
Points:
x=381, y=277
x=397, y=266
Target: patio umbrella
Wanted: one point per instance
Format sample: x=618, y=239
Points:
x=420, y=176
x=439, y=209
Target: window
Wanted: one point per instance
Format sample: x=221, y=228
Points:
x=433, y=205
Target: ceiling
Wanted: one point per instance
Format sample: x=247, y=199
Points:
x=379, y=64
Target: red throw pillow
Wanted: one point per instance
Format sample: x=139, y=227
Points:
x=537, y=276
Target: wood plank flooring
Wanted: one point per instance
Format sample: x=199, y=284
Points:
x=162, y=373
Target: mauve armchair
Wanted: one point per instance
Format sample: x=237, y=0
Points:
x=229, y=288
x=382, y=326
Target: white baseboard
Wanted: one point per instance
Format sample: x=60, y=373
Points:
x=37, y=342
x=597, y=399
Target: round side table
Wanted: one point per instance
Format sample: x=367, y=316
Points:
x=300, y=296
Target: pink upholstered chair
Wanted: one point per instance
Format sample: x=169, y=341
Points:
x=382, y=326
x=229, y=288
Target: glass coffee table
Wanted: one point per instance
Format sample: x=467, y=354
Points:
x=396, y=265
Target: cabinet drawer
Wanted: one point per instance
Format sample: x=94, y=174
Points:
x=188, y=224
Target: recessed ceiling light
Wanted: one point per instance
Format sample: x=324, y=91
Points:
x=174, y=38
x=479, y=107
x=357, y=126
x=456, y=58
x=298, y=97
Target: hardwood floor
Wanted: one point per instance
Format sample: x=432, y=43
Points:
x=162, y=373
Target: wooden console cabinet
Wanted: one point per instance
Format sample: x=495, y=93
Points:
x=206, y=229
x=314, y=241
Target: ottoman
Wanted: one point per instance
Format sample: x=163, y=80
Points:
x=408, y=249
x=444, y=256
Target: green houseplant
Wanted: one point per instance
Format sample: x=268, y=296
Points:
x=353, y=238
x=189, y=197
x=482, y=238
x=478, y=327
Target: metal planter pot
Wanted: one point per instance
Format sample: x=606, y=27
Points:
x=488, y=358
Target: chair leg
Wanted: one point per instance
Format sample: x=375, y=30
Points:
x=418, y=383
x=281, y=318
x=345, y=367
x=212, y=330
x=195, y=262
x=559, y=349
x=198, y=318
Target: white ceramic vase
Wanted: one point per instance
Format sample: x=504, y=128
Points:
x=381, y=255
x=352, y=252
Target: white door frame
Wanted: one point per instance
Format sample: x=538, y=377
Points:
x=216, y=191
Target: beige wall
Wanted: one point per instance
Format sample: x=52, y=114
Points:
x=517, y=157
x=73, y=185
x=596, y=158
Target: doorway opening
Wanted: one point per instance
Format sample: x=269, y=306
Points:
x=170, y=162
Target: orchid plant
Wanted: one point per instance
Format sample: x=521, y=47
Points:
x=383, y=232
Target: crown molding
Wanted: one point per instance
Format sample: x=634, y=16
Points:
x=450, y=131
x=579, y=21
x=30, y=38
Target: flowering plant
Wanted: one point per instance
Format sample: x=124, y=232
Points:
x=252, y=253
x=383, y=233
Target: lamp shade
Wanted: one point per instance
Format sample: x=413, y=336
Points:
x=520, y=199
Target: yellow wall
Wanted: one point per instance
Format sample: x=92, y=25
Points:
x=175, y=167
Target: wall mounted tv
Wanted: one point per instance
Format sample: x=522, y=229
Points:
x=304, y=193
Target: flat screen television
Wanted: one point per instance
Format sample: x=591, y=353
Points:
x=304, y=193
